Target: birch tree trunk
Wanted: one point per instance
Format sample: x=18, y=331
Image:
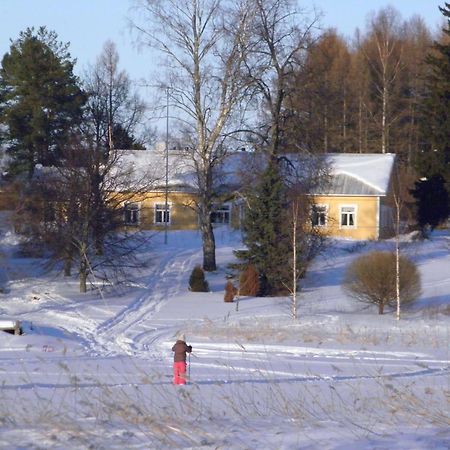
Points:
x=83, y=268
x=397, y=253
x=294, y=263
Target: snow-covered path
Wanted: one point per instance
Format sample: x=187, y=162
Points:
x=143, y=329
x=131, y=331
x=87, y=357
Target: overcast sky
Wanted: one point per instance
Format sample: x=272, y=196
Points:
x=87, y=24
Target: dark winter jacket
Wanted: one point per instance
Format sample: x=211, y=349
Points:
x=181, y=348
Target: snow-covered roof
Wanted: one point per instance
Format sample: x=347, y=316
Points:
x=351, y=173
x=150, y=166
x=368, y=173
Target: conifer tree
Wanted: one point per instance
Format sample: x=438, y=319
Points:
x=435, y=152
x=197, y=280
x=265, y=234
x=432, y=202
x=40, y=100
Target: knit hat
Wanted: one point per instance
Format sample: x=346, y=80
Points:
x=182, y=337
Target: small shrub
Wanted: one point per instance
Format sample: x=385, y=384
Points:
x=371, y=278
x=249, y=281
x=230, y=292
x=197, y=281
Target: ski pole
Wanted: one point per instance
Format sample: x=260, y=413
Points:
x=189, y=367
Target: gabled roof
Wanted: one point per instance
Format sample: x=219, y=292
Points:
x=343, y=184
x=350, y=173
x=360, y=173
x=365, y=174
x=150, y=166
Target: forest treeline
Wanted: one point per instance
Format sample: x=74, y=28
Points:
x=364, y=95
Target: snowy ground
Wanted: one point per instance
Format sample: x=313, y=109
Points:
x=94, y=371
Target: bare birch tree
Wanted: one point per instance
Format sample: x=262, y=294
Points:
x=204, y=45
x=402, y=182
x=294, y=259
x=305, y=240
x=383, y=50
x=281, y=34
x=114, y=108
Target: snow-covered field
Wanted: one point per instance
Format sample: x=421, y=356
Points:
x=94, y=370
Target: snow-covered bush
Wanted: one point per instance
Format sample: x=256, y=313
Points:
x=371, y=278
x=197, y=281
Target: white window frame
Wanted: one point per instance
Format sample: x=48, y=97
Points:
x=355, y=216
x=222, y=210
x=161, y=208
x=325, y=211
x=133, y=207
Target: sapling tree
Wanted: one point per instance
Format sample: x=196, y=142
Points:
x=400, y=196
x=305, y=240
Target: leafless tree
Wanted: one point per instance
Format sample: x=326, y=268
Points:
x=383, y=50
x=114, y=108
x=306, y=240
x=114, y=111
x=280, y=35
x=322, y=98
x=402, y=184
x=204, y=43
x=294, y=260
x=60, y=210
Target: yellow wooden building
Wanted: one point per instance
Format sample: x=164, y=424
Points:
x=357, y=201
x=354, y=203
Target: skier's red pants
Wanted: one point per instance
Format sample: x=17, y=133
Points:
x=179, y=372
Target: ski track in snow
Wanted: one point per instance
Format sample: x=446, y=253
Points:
x=243, y=375
x=131, y=331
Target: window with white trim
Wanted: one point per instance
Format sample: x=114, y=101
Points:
x=162, y=215
x=221, y=214
x=348, y=216
x=319, y=215
x=131, y=213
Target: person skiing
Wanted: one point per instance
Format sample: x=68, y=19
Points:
x=180, y=348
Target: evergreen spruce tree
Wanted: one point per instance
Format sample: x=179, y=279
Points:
x=197, y=280
x=264, y=231
x=432, y=202
x=435, y=130
x=40, y=100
